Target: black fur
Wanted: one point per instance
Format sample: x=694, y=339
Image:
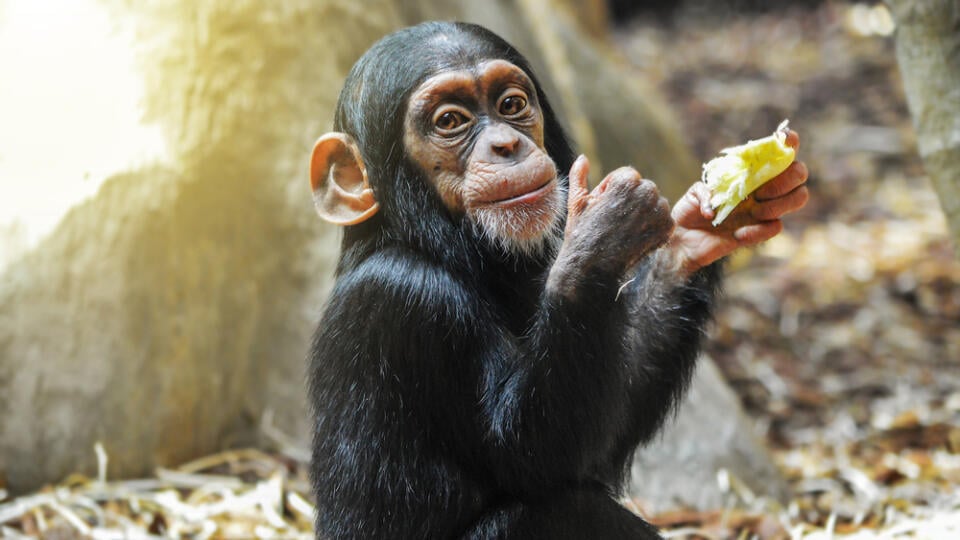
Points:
x=454, y=397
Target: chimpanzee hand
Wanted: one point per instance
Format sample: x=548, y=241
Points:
x=697, y=243
x=612, y=227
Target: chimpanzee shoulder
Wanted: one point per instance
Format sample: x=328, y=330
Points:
x=398, y=286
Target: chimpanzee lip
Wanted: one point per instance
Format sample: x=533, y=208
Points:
x=520, y=197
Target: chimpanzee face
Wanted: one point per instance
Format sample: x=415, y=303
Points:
x=477, y=135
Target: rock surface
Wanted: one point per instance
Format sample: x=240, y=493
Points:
x=710, y=434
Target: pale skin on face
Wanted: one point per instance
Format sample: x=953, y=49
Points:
x=470, y=93
x=478, y=136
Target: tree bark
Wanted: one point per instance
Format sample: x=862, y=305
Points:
x=928, y=52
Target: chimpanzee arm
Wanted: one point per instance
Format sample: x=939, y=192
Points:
x=552, y=395
x=669, y=306
x=598, y=374
x=668, y=313
x=558, y=399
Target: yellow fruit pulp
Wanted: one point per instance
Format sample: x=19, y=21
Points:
x=740, y=170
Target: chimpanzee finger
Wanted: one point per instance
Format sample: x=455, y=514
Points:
x=793, y=139
x=578, y=190
x=620, y=178
x=757, y=232
x=793, y=177
x=776, y=208
x=701, y=193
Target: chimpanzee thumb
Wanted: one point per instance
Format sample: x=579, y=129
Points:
x=578, y=190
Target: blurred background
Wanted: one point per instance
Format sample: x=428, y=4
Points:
x=162, y=268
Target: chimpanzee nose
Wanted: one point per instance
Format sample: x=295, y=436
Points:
x=504, y=140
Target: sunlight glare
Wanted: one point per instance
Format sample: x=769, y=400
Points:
x=70, y=110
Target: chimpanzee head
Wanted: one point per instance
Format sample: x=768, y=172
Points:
x=443, y=127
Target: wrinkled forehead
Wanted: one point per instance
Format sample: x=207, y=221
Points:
x=481, y=79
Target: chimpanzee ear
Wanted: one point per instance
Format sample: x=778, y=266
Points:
x=338, y=178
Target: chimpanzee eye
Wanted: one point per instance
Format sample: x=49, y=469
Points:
x=450, y=121
x=513, y=105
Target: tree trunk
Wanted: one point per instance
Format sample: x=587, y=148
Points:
x=928, y=51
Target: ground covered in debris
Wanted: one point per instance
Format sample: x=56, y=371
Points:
x=841, y=336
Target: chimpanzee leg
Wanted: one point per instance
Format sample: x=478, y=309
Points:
x=573, y=515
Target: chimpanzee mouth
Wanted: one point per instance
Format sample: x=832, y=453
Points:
x=528, y=196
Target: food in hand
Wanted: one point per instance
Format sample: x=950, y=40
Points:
x=739, y=170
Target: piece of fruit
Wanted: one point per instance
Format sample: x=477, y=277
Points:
x=739, y=170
